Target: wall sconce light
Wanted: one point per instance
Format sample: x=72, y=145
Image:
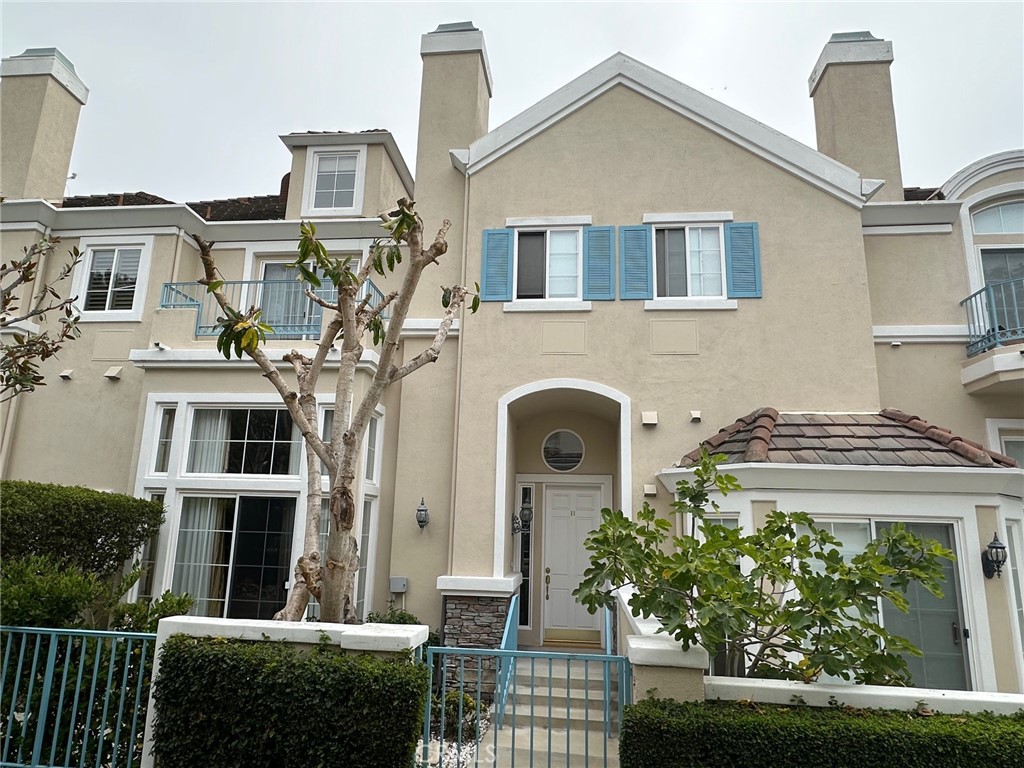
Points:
x=521, y=521
x=993, y=558
x=422, y=515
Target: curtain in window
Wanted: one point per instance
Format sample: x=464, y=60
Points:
x=209, y=445
x=204, y=553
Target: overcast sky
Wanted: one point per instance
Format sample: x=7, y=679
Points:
x=188, y=99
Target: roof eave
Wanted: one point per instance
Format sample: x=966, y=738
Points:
x=999, y=481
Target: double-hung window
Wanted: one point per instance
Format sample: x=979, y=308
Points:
x=689, y=261
x=334, y=181
x=548, y=264
x=111, y=280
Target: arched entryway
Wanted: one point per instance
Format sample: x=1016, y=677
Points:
x=564, y=452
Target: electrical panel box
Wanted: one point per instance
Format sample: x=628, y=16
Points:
x=399, y=585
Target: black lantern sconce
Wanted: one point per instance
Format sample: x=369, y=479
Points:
x=422, y=514
x=993, y=558
x=521, y=521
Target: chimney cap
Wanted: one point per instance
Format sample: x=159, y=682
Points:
x=458, y=37
x=46, y=61
x=850, y=48
x=456, y=26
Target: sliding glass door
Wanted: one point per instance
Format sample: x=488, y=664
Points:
x=234, y=554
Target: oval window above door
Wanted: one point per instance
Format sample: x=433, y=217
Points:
x=563, y=450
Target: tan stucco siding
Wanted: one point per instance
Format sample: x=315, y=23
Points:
x=814, y=280
x=856, y=124
x=423, y=451
x=917, y=279
x=296, y=184
x=38, y=122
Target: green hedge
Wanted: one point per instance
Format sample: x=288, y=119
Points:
x=232, y=703
x=95, y=531
x=659, y=733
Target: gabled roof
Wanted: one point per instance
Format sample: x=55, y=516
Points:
x=889, y=438
x=620, y=69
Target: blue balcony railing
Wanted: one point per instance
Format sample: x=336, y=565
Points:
x=995, y=315
x=286, y=308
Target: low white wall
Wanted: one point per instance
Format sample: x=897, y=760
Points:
x=860, y=696
x=368, y=638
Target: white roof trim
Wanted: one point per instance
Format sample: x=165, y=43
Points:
x=988, y=166
x=777, y=148
x=863, y=51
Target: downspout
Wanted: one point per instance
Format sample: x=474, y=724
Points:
x=458, y=373
x=11, y=416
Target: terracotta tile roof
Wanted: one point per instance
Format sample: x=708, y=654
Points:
x=259, y=208
x=917, y=194
x=889, y=438
x=254, y=208
x=114, y=199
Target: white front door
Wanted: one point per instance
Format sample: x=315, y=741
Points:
x=570, y=513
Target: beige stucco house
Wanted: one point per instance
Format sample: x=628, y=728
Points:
x=654, y=266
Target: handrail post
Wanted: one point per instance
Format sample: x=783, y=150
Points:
x=44, y=698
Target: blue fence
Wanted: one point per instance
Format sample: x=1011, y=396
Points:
x=285, y=305
x=995, y=315
x=73, y=697
x=525, y=708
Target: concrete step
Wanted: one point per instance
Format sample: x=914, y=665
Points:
x=585, y=750
x=575, y=701
x=593, y=677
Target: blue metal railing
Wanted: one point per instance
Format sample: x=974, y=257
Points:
x=995, y=315
x=286, y=307
x=73, y=697
x=553, y=715
x=507, y=664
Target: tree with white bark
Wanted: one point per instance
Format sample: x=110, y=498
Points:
x=330, y=576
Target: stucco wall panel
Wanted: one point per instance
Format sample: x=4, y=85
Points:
x=917, y=279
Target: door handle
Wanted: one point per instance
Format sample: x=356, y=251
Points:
x=547, y=583
x=956, y=633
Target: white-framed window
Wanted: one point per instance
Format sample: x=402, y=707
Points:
x=999, y=219
x=548, y=264
x=334, y=181
x=249, y=441
x=689, y=261
x=526, y=495
x=111, y=280
x=1006, y=436
x=164, y=438
x=369, y=513
x=1015, y=551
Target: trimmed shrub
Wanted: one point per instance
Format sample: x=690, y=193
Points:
x=466, y=726
x=228, y=704
x=91, y=530
x=37, y=592
x=660, y=733
x=141, y=616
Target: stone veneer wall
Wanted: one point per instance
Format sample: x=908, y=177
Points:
x=472, y=621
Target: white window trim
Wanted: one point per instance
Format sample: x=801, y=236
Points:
x=995, y=204
x=994, y=429
x=689, y=302
x=175, y=483
x=972, y=253
x=1013, y=524
x=708, y=217
x=561, y=304
x=312, y=157
x=370, y=492
x=80, y=280
x=956, y=509
x=518, y=547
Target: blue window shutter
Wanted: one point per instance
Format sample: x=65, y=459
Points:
x=743, y=260
x=496, y=273
x=636, y=279
x=599, y=263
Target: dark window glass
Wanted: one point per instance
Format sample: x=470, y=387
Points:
x=530, y=275
x=563, y=451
